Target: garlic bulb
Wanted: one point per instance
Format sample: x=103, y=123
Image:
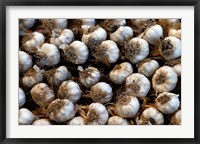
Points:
x=174, y=32
x=22, y=97
x=116, y=120
x=151, y=116
x=176, y=118
x=26, y=117
x=121, y=35
x=25, y=61
x=170, y=48
x=120, y=72
x=69, y=90
x=101, y=92
x=127, y=106
x=89, y=76
x=55, y=23
x=167, y=102
x=112, y=24
x=77, y=52
x=79, y=120
x=177, y=69
x=32, y=77
x=42, y=94
x=24, y=25
x=42, y=122
x=61, y=110
x=136, y=50
x=97, y=114
x=164, y=79
x=87, y=23
x=148, y=67
x=137, y=85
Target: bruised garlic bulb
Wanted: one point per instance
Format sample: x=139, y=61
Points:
x=137, y=85
x=120, y=72
x=176, y=118
x=116, y=120
x=25, y=61
x=55, y=23
x=89, y=76
x=174, y=32
x=79, y=120
x=69, y=90
x=42, y=122
x=167, y=102
x=164, y=79
x=136, y=50
x=42, y=94
x=22, y=97
x=170, y=48
x=77, y=52
x=26, y=117
x=61, y=110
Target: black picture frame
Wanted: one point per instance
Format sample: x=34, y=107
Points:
x=5, y=3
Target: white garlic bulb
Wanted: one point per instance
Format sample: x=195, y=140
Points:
x=97, y=114
x=42, y=122
x=25, y=61
x=127, y=106
x=151, y=116
x=164, y=79
x=167, y=102
x=116, y=120
x=174, y=32
x=25, y=24
x=137, y=85
x=87, y=23
x=79, y=120
x=26, y=117
x=121, y=35
x=136, y=50
x=61, y=110
x=148, y=67
x=101, y=92
x=22, y=97
x=177, y=69
x=89, y=76
x=170, y=48
x=69, y=90
x=42, y=94
x=120, y=72
x=55, y=23
x=77, y=52
x=176, y=118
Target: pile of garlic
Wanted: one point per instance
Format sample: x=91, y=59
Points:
x=99, y=72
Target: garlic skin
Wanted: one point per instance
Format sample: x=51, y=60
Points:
x=97, y=114
x=87, y=23
x=25, y=61
x=22, y=97
x=61, y=110
x=79, y=120
x=42, y=122
x=176, y=118
x=112, y=24
x=148, y=67
x=167, y=102
x=164, y=79
x=127, y=106
x=121, y=35
x=136, y=50
x=120, y=72
x=116, y=120
x=89, y=76
x=55, y=23
x=170, y=48
x=174, y=32
x=137, y=85
x=177, y=69
x=42, y=94
x=69, y=90
x=101, y=92
x=151, y=116
x=77, y=52
x=26, y=117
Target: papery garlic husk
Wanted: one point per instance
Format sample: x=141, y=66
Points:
x=87, y=23
x=32, y=77
x=24, y=25
x=177, y=69
x=151, y=116
x=121, y=35
x=176, y=118
x=164, y=79
x=22, y=97
x=120, y=72
x=136, y=50
x=42, y=122
x=127, y=106
x=61, y=110
x=148, y=67
x=55, y=23
x=174, y=32
x=170, y=48
x=89, y=76
x=137, y=85
x=77, y=52
x=97, y=114
x=167, y=102
x=79, y=120
x=101, y=92
x=25, y=61
x=112, y=24
x=116, y=120
x=42, y=94
x=69, y=90
x=26, y=117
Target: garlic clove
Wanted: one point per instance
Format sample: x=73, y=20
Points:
x=42, y=122
x=25, y=61
x=26, y=117
x=116, y=120
x=79, y=120
x=22, y=97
